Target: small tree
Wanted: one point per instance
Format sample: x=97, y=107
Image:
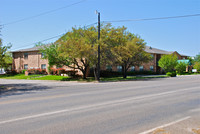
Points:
x=181, y=67
x=197, y=62
x=197, y=66
x=5, y=57
x=51, y=53
x=168, y=62
x=197, y=58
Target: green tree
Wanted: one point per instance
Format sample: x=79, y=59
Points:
x=197, y=62
x=168, y=62
x=50, y=52
x=5, y=56
x=80, y=47
x=197, y=66
x=197, y=58
x=130, y=53
x=181, y=67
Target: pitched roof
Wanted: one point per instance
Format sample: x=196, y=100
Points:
x=30, y=49
x=150, y=49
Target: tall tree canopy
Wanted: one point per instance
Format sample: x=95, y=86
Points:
x=130, y=53
x=80, y=45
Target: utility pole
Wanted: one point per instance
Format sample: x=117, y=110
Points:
x=98, y=65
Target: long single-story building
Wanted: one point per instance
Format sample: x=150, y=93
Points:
x=32, y=58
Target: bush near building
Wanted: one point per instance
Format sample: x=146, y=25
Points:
x=197, y=66
x=181, y=67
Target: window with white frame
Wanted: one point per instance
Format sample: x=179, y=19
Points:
x=25, y=55
x=43, y=66
x=152, y=56
x=25, y=66
x=141, y=68
x=42, y=55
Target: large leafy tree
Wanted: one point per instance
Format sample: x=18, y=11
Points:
x=168, y=62
x=130, y=53
x=80, y=47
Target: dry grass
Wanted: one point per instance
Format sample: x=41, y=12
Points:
x=196, y=131
x=160, y=131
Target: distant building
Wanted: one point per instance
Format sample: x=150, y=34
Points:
x=31, y=58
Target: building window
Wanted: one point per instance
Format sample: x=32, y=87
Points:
x=42, y=55
x=25, y=55
x=151, y=68
x=25, y=66
x=133, y=68
x=119, y=68
x=152, y=56
x=43, y=66
x=109, y=67
x=141, y=68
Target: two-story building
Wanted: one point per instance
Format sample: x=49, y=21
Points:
x=31, y=58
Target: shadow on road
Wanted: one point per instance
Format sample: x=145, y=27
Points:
x=19, y=89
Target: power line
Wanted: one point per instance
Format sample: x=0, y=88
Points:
x=52, y=37
x=146, y=19
x=160, y=18
x=44, y=13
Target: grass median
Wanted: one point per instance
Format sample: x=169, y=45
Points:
x=66, y=78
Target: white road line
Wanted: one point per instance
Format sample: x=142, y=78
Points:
x=195, y=110
x=166, y=125
x=87, y=107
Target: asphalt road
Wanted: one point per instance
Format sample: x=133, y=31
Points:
x=170, y=105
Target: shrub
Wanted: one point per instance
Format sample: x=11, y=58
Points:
x=60, y=71
x=72, y=73
x=12, y=72
x=23, y=71
x=106, y=73
x=181, y=67
x=171, y=74
x=37, y=71
x=197, y=66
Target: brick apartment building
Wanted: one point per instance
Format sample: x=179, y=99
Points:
x=31, y=58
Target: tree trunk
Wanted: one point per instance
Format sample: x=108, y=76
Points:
x=85, y=72
x=124, y=71
x=95, y=72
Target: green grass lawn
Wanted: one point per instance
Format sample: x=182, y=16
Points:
x=65, y=78
x=34, y=77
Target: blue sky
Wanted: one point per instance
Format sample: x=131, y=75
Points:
x=180, y=34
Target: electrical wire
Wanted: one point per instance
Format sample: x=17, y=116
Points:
x=51, y=37
x=41, y=14
x=147, y=19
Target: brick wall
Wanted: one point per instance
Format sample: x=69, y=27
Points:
x=34, y=60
